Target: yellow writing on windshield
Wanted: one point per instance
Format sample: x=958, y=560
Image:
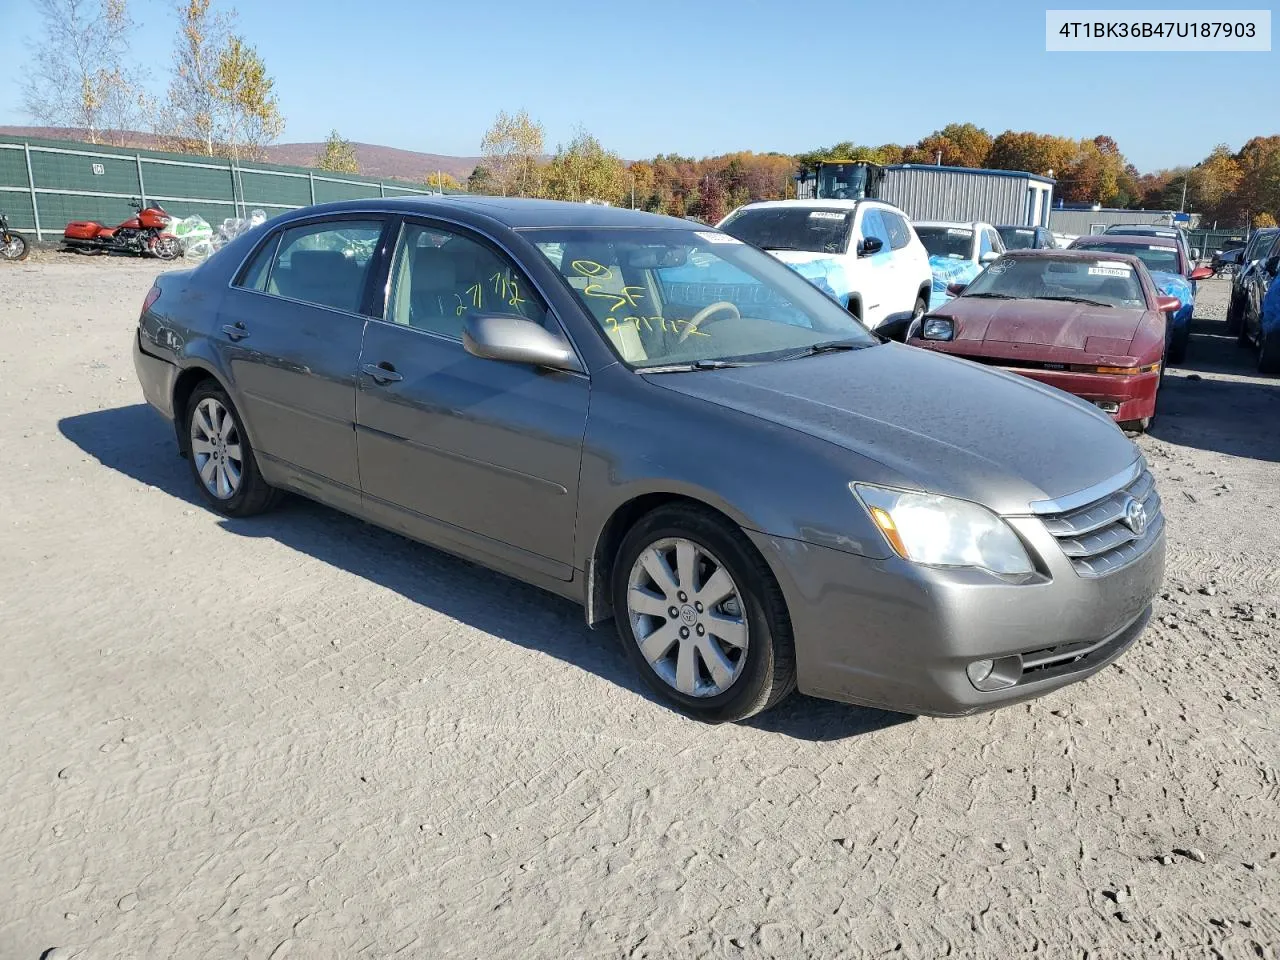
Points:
x=589, y=268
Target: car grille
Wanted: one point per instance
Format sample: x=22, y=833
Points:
x=1097, y=538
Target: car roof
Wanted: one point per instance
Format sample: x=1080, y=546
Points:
x=513, y=212
x=816, y=204
x=1143, y=228
x=1017, y=226
x=1072, y=254
x=1129, y=240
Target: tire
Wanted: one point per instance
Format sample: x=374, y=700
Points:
x=251, y=494
x=762, y=674
x=1269, y=353
x=1178, y=348
x=1136, y=426
x=165, y=248
x=1243, y=339
x=1234, y=320
x=16, y=249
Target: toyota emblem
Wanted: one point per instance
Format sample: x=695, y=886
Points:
x=1135, y=517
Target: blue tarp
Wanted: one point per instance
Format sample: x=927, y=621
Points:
x=1271, y=307
x=948, y=270
x=1173, y=285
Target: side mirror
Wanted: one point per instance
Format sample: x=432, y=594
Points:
x=955, y=289
x=1168, y=304
x=869, y=246
x=500, y=336
x=1200, y=273
x=989, y=257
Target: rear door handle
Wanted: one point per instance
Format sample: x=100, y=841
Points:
x=235, y=331
x=382, y=372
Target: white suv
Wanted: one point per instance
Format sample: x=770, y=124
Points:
x=864, y=253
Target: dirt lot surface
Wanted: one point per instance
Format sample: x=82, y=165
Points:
x=299, y=736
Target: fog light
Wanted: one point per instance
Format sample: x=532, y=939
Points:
x=989, y=675
x=1107, y=406
x=979, y=670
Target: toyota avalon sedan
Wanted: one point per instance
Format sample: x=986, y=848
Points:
x=759, y=492
x=1086, y=321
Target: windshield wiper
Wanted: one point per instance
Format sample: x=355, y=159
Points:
x=1096, y=303
x=995, y=296
x=775, y=247
x=827, y=346
x=695, y=365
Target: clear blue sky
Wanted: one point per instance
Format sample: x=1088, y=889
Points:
x=703, y=78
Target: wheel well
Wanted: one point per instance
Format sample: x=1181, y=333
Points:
x=925, y=292
x=599, y=593
x=855, y=305
x=185, y=385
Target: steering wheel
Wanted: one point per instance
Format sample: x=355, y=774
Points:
x=705, y=312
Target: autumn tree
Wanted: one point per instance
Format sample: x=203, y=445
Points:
x=1264, y=220
x=1212, y=185
x=79, y=72
x=960, y=144
x=1259, y=187
x=220, y=97
x=1033, y=152
x=339, y=155
x=711, y=199
x=511, y=148
x=584, y=170
x=441, y=181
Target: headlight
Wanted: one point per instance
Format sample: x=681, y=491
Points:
x=937, y=328
x=943, y=531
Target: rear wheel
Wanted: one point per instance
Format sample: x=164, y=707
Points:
x=1269, y=353
x=701, y=616
x=222, y=461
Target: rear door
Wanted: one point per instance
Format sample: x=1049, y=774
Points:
x=455, y=449
x=290, y=331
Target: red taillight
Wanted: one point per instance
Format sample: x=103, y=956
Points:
x=152, y=296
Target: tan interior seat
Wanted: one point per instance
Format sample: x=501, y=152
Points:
x=622, y=333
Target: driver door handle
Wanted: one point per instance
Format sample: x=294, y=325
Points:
x=382, y=372
x=235, y=331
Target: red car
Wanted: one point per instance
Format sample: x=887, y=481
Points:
x=1090, y=323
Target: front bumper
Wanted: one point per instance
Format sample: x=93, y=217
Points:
x=899, y=636
x=1134, y=396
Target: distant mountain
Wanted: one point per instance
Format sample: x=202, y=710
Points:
x=375, y=160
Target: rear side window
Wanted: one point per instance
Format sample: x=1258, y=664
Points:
x=254, y=276
x=326, y=264
x=899, y=232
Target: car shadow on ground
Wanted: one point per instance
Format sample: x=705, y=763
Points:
x=1218, y=401
x=137, y=442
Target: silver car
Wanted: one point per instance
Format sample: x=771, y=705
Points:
x=673, y=429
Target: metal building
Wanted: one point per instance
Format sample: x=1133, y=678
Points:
x=963, y=193
x=1082, y=221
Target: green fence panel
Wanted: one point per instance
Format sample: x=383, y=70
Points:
x=201, y=183
x=213, y=213
x=394, y=191
x=13, y=168
x=266, y=187
x=57, y=209
x=93, y=174
x=327, y=191
x=17, y=207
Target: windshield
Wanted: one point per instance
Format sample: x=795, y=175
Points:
x=1017, y=238
x=1261, y=240
x=1113, y=283
x=669, y=297
x=1160, y=258
x=1143, y=232
x=792, y=228
x=953, y=242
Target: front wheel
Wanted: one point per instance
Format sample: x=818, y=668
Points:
x=701, y=616
x=14, y=247
x=166, y=247
x=222, y=461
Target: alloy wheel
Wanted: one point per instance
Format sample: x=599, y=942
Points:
x=216, y=449
x=688, y=617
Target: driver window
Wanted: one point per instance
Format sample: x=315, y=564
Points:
x=873, y=226
x=439, y=275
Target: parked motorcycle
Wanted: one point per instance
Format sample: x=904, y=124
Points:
x=144, y=234
x=13, y=245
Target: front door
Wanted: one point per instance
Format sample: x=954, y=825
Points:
x=455, y=449
x=290, y=330
x=874, y=273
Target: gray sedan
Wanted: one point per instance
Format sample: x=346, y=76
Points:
x=673, y=429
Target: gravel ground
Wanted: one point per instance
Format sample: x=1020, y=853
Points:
x=299, y=736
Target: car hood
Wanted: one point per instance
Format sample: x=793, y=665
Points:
x=933, y=422
x=1050, y=323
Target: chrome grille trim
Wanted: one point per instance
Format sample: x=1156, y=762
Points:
x=1088, y=495
x=1094, y=536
